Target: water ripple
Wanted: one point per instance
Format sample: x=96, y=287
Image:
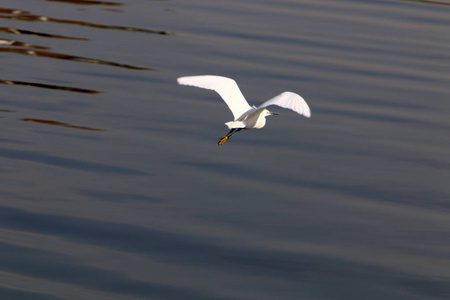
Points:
x=68, y=163
x=41, y=34
x=24, y=16
x=59, y=268
x=49, y=86
x=88, y=2
x=15, y=43
x=56, y=123
x=71, y=57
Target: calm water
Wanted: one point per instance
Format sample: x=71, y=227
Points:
x=113, y=187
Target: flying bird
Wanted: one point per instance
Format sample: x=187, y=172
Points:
x=245, y=116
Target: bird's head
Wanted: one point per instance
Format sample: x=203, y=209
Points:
x=270, y=113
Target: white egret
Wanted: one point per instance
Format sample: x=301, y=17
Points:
x=245, y=116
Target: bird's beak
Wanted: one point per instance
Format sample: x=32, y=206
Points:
x=274, y=113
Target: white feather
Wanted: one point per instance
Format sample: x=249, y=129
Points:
x=290, y=101
x=225, y=87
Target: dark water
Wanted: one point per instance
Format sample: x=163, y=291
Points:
x=113, y=187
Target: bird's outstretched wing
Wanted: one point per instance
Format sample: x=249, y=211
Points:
x=290, y=101
x=225, y=87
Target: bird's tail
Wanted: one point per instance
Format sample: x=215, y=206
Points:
x=235, y=124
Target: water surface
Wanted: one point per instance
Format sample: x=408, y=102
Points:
x=113, y=186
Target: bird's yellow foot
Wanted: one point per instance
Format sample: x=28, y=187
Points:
x=222, y=140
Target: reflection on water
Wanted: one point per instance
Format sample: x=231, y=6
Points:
x=24, y=48
x=56, y=123
x=12, y=11
x=23, y=16
x=70, y=57
x=15, y=43
x=87, y=2
x=442, y=2
x=49, y=86
x=42, y=34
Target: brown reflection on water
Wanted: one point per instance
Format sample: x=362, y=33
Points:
x=42, y=34
x=49, y=86
x=113, y=10
x=24, y=16
x=431, y=2
x=15, y=43
x=56, y=123
x=21, y=15
x=70, y=57
x=12, y=11
x=87, y=2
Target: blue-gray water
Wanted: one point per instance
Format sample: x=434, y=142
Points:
x=112, y=185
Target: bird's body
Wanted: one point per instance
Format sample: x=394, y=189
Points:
x=253, y=118
x=245, y=116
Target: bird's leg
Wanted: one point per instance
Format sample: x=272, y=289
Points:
x=229, y=134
